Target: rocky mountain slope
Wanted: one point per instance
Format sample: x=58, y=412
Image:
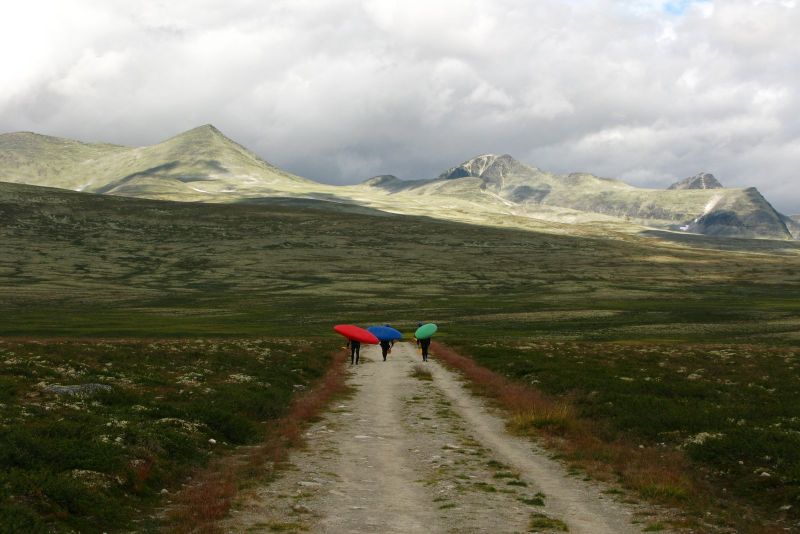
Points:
x=203, y=165
x=793, y=225
x=703, y=180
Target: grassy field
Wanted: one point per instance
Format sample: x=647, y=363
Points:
x=686, y=341
x=94, y=462
x=731, y=410
x=77, y=264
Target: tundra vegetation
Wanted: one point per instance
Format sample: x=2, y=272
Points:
x=685, y=345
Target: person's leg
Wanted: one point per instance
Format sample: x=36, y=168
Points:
x=358, y=354
x=352, y=355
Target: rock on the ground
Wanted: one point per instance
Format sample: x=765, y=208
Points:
x=77, y=389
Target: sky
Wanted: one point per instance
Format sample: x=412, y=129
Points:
x=648, y=91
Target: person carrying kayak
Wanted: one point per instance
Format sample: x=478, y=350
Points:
x=424, y=345
x=385, y=346
x=355, y=351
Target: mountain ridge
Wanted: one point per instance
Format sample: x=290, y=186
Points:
x=707, y=210
x=204, y=165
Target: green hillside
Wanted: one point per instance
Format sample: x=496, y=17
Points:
x=119, y=266
x=30, y=158
x=196, y=164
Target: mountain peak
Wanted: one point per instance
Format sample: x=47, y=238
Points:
x=208, y=128
x=382, y=179
x=702, y=180
x=478, y=166
x=204, y=132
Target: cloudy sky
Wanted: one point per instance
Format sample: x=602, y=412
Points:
x=339, y=90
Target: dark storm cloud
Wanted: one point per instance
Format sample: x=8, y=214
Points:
x=338, y=90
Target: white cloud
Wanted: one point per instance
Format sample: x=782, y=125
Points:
x=646, y=90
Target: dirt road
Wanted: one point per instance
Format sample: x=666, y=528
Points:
x=408, y=454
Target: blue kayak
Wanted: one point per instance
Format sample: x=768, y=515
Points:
x=385, y=333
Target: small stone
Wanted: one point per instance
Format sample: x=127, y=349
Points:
x=212, y=441
x=308, y=484
x=164, y=491
x=301, y=509
x=786, y=507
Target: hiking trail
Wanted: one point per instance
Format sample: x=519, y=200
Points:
x=406, y=455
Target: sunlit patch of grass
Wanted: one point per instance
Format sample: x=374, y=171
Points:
x=540, y=522
x=553, y=416
x=421, y=372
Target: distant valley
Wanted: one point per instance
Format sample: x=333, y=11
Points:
x=203, y=165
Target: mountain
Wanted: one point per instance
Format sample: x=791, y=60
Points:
x=203, y=165
x=391, y=183
x=189, y=166
x=30, y=158
x=793, y=225
x=718, y=211
x=703, y=180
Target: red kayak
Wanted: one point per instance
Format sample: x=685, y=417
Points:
x=354, y=333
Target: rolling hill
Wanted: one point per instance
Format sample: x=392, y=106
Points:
x=203, y=165
x=193, y=164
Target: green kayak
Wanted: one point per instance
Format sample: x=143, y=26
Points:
x=425, y=331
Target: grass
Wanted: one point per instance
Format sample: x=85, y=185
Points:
x=90, y=462
x=86, y=265
x=643, y=436
x=540, y=522
x=484, y=486
x=536, y=500
x=421, y=372
x=208, y=500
